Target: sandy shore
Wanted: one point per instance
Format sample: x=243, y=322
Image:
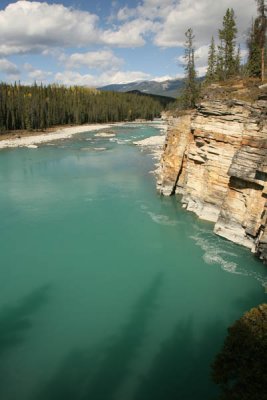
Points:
x=62, y=133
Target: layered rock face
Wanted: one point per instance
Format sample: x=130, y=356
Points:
x=217, y=159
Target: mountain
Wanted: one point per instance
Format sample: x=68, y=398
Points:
x=164, y=100
x=169, y=88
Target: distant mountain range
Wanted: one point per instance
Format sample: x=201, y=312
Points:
x=169, y=88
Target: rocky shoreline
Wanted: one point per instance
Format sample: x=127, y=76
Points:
x=62, y=133
x=216, y=158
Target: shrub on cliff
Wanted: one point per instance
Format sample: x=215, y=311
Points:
x=240, y=368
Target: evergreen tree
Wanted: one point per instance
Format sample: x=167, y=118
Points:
x=254, y=51
x=238, y=61
x=220, y=73
x=39, y=107
x=240, y=367
x=227, y=35
x=191, y=89
x=212, y=62
x=261, y=32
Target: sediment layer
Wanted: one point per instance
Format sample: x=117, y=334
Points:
x=216, y=158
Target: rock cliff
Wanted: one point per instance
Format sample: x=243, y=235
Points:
x=216, y=158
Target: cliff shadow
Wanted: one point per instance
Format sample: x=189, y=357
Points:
x=98, y=374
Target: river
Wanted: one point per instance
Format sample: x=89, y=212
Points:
x=109, y=291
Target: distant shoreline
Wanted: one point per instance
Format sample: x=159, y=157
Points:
x=32, y=139
x=26, y=138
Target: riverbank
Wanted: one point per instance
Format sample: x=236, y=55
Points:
x=32, y=139
x=26, y=139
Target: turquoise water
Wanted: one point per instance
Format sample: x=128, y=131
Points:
x=107, y=290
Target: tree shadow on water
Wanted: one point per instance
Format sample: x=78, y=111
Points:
x=181, y=369
x=98, y=374
x=16, y=320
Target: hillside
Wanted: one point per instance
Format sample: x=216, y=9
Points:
x=168, y=88
x=163, y=100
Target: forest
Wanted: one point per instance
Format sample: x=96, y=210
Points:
x=40, y=107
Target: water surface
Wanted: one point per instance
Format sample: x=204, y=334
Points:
x=107, y=290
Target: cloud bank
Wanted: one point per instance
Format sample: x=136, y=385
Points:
x=84, y=46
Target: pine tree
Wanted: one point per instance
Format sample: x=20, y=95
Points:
x=227, y=35
x=212, y=61
x=254, y=51
x=191, y=89
x=262, y=30
x=220, y=70
x=238, y=61
x=39, y=107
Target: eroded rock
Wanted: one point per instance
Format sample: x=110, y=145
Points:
x=216, y=157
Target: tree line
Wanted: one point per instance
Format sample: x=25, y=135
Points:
x=40, y=107
x=224, y=60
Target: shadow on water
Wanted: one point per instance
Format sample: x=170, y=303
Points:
x=98, y=374
x=181, y=369
x=16, y=320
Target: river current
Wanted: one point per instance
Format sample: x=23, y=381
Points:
x=109, y=291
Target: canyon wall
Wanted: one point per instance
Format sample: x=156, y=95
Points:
x=216, y=158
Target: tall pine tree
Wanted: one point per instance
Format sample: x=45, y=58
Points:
x=191, y=89
x=254, y=51
x=212, y=61
x=262, y=30
x=227, y=35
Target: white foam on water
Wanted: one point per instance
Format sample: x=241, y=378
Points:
x=214, y=254
x=161, y=219
x=144, y=207
x=119, y=141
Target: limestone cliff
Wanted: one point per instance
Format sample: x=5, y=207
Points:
x=216, y=158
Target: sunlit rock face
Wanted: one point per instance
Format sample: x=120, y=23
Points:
x=216, y=158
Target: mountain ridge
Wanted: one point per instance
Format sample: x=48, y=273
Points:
x=168, y=88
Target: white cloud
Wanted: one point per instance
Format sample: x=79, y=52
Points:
x=103, y=59
x=32, y=26
x=70, y=78
x=201, y=58
x=8, y=67
x=205, y=18
x=48, y=29
x=163, y=78
x=201, y=55
x=126, y=13
x=106, y=78
x=126, y=76
x=35, y=74
x=174, y=17
x=201, y=71
x=130, y=34
x=148, y=9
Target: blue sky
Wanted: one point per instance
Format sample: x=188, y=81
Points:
x=95, y=43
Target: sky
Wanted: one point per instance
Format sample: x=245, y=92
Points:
x=95, y=43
